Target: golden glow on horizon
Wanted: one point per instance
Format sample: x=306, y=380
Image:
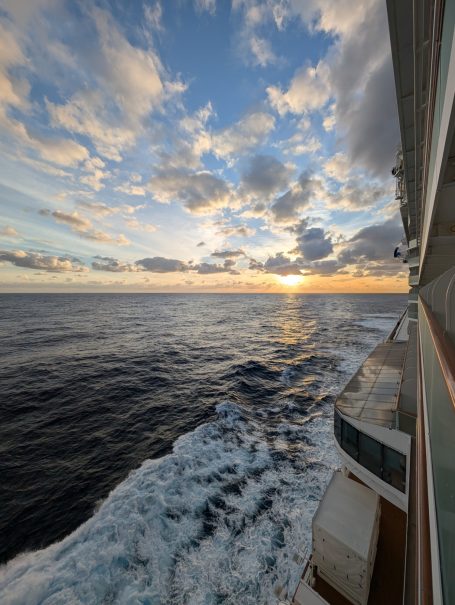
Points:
x=290, y=280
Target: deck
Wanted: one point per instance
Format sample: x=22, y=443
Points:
x=388, y=574
x=372, y=393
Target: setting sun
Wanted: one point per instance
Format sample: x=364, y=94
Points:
x=290, y=280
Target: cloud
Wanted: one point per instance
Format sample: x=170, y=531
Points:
x=198, y=192
x=300, y=144
x=312, y=242
x=107, y=263
x=281, y=265
x=95, y=173
x=13, y=91
x=73, y=219
x=208, y=6
x=236, y=231
x=86, y=114
x=35, y=260
x=356, y=76
x=228, y=254
x=153, y=15
x=125, y=84
x=248, y=133
x=129, y=73
x=373, y=243
x=131, y=189
x=101, y=236
x=158, y=264
x=309, y=90
x=261, y=51
x=64, y=152
x=256, y=211
x=100, y=209
x=324, y=267
x=337, y=167
x=374, y=119
x=211, y=268
x=83, y=227
x=307, y=189
x=136, y=225
x=265, y=175
x=252, y=47
x=358, y=194
x=8, y=231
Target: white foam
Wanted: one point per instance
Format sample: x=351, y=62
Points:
x=147, y=543
x=383, y=322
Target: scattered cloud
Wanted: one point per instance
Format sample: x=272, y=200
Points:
x=281, y=265
x=309, y=90
x=208, y=6
x=248, y=133
x=43, y=262
x=83, y=227
x=210, y=268
x=198, y=192
x=228, y=254
x=158, y=264
x=265, y=175
x=107, y=263
x=309, y=188
x=136, y=225
x=236, y=231
x=312, y=242
x=8, y=231
x=373, y=243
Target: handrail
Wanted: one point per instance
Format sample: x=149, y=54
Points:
x=444, y=348
x=424, y=586
x=397, y=326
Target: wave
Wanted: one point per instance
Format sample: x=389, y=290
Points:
x=217, y=520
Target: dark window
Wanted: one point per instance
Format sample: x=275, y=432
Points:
x=350, y=437
x=337, y=422
x=394, y=468
x=370, y=454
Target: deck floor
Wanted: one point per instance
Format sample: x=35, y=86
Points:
x=372, y=393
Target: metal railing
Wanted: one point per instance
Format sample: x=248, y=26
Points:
x=444, y=350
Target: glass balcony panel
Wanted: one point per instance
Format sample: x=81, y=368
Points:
x=441, y=425
x=350, y=439
x=370, y=454
x=394, y=468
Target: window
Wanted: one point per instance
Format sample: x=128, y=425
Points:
x=394, y=468
x=350, y=437
x=384, y=462
x=370, y=454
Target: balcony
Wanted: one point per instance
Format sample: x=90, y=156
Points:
x=437, y=359
x=366, y=422
x=372, y=393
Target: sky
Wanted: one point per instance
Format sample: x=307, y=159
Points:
x=197, y=146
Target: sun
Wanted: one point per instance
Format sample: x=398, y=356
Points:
x=290, y=280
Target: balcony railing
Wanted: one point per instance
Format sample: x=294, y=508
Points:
x=438, y=406
x=378, y=458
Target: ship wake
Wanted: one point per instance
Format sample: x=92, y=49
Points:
x=219, y=520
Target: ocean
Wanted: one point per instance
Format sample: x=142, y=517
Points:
x=169, y=449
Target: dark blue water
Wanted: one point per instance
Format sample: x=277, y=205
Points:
x=220, y=404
